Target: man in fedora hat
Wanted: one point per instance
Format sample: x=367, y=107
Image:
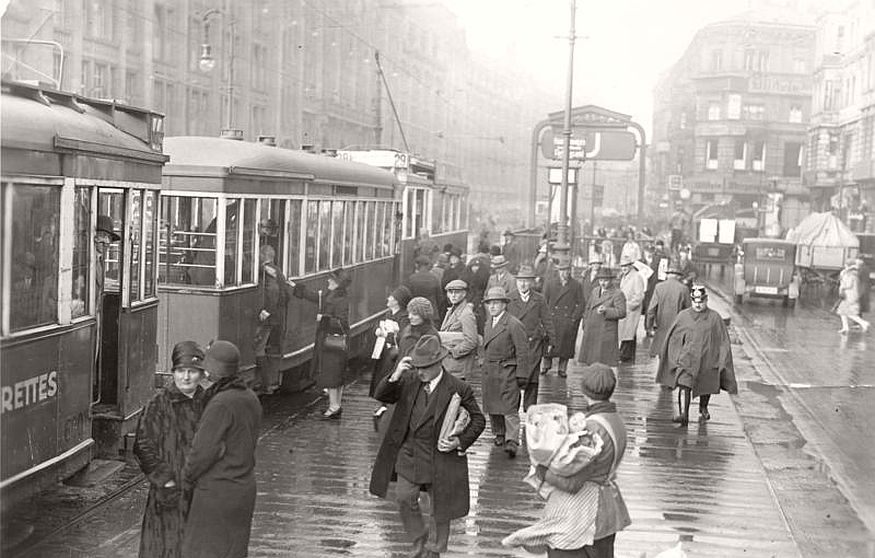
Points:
x=459, y=331
x=565, y=303
x=220, y=467
x=506, y=366
x=633, y=286
x=104, y=235
x=669, y=298
x=501, y=277
x=605, y=307
x=588, y=279
x=530, y=308
x=421, y=392
x=270, y=326
x=696, y=357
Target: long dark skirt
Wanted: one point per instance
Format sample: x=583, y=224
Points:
x=382, y=368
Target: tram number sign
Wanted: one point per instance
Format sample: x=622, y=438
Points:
x=593, y=145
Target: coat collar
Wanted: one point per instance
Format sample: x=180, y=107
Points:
x=490, y=332
x=437, y=402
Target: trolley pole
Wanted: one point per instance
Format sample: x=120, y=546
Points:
x=562, y=247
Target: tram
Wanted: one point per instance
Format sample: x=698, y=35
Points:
x=223, y=198
x=78, y=330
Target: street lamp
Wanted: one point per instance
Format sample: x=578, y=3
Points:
x=207, y=62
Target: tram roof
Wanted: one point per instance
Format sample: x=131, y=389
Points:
x=206, y=155
x=36, y=118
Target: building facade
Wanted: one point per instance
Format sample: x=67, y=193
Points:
x=730, y=117
x=840, y=166
x=304, y=71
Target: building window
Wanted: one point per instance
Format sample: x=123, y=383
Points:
x=792, y=159
x=754, y=112
x=98, y=84
x=829, y=95
x=795, y=114
x=733, y=111
x=683, y=122
x=711, y=154
x=749, y=59
x=740, y=162
x=762, y=64
x=259, y=66
x=758, y=157
x=717, y=60
x=714, y=111
x=799, y=66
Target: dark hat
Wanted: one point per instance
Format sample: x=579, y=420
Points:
x=341, y=276
x=421, y=307
x=402, y=295
x=448, y=247
x=456, y=285
x=427, y=352
x=222, y=360
x=526, y=272
x=104, y=223
x=496, y=293
x=698, y=293
x=604, y=273
x=598, y=381
x=188, y=354
x=422, y=261
x=498, y=261
x=674, y=267
x=495, y=250
x=456, y=252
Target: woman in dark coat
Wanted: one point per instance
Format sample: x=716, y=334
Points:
x=605, y=307
x=329, y=361
x=385, y=363
x=565, y=303
x=164, y=435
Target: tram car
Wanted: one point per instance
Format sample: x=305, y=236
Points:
x=78, y=329
x=223, y=199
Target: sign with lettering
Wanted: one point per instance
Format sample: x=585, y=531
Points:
x=591, y=145
x=29, y=392
x=793, y=85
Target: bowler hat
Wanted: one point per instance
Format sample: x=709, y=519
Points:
x=698, y=293
x=598, y=381
x=604, y=273
x=428, y=351
x=526, y=272
x=222, y=360
x=104, y=223
x=498, y=261
x=496, y=293
x=456, y=285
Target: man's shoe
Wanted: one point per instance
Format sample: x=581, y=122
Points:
x=563, y=374
x=498, y=441
x=704, y=416
x=545, y=372
x=510, y=448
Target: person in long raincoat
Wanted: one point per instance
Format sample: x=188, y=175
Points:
x=530, y=308
x=605, y=307
x=633, y=287
x=565, y=302
x=697, y=357
x=669, y=298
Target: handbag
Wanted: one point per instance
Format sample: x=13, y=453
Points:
x=335, y=342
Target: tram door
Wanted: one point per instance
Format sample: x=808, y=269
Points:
x=108, y=277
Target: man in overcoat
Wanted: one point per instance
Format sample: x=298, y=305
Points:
x=412, y=453
x=273, y=297
x=506, y=368
x=512, y=251
x=425, y=284
x=220, y=467
x=697, y=357
x=565, y=303
x=501, y=277
x=669, y=298
x=588, y=280
x=605, y=307
x=530, y=308
x=633, y=287
x=459, y=331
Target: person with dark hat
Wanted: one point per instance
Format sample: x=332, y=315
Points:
x=423, y=283
x=696, y=357
x=478, y=279
x=506, y=366
x=164, y=435
x=669, y=298
x=396, y=320
x=530, y=308
x=413, y=452
x=605, y=307
x=458, y=331
x=330, y=350
x=565, y=303
x=104, y=235
x=501, y=277
x=455, y=270
x=588, y=279
x=512, y=251
x=611, y=515
x=270, y=327
x=220, y=467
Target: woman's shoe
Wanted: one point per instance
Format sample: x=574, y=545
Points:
x=335, y=414
x=704, y=416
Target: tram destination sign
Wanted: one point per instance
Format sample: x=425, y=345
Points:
x=591, y=145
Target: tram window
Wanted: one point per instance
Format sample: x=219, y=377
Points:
x=188, y=241
x=380, y=230
x=372, y=241
x=35, y=223
x=294, y=243
x=438, y=214
x=150, y=218
x=135, y=243
x=410, y=230
x=81, y=275
x=337, y=233
x=360, y=232
x=324, y=234
x=112, y=204
x=232, y=224
x=249, y=232
x=388, y=229
x=348, y=232
x=311, y=233
x=273, y=222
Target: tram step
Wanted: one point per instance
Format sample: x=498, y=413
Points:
x=95, y=473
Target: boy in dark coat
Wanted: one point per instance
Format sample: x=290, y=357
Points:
x=412, y=451
x=530, y=308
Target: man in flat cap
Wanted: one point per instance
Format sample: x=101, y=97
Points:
x=697, y=357
x=459, y=331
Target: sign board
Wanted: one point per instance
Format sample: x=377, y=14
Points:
x=383, y=158
x=554, y=175
x=591, y=145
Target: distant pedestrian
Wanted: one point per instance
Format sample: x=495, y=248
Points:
x=385, y=362
x=605, y=307
x=330, y=349
x=633, y=287
x=501, y=277
x=459, y=331
x=849, y=297
x=513, y=251
x=478, y=279
x=455, y=270
x=413, y=452
x=426, y=246
x=565, y=303
x=220, y=467
x=658, y=265
x=506, y=369
x=530, y=308
x=270, y=326
x=669, y=298
x=697, y=357
x=165, y=432
x=423, y=283
x=864, y=284
x=631, y=249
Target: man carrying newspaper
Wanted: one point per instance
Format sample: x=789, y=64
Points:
x=426, y=460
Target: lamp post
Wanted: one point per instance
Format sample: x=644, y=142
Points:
x=562, y=247
x=207, y=62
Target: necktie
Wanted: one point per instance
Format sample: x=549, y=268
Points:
x=427, y=388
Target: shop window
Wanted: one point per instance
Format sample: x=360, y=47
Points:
x=187, y=241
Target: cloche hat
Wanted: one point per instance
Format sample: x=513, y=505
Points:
x=222, y=360
x=422, y=307
x=187, y=354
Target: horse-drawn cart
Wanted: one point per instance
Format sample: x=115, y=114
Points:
x=823, y=245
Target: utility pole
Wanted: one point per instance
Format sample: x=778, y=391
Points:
x=562, y=247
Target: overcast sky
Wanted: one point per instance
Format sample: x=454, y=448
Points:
x=627, y=43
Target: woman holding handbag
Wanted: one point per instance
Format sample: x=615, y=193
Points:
x=331, y=350
x=384, y=363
